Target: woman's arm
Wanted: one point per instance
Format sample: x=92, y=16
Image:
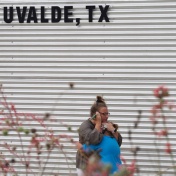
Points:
x=88, y=134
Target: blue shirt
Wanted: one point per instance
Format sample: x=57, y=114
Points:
x=110, y=152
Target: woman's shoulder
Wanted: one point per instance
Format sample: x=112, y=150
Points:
x=85, y=124
x=87, y=121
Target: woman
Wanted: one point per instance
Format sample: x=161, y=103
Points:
x=91, y=133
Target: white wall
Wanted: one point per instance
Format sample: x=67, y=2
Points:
x=123, y=60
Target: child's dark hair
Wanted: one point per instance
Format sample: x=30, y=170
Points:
x=99, y=103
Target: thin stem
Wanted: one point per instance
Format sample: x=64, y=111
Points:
x=19, y=135
x=162, y=172
x=48, y=156
x=167, y=138
x=6, y=105
x=158, y=154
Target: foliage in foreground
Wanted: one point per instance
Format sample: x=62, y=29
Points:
x=45, y=141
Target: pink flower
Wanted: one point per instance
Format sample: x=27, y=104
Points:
x=153, y=120
x=161, y=92
x=168, y=148
x=157, y=108
x=132, y=168
x=123, y=159
x=170, y=105
x=162, y=133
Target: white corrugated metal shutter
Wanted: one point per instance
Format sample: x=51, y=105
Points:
x=123, y=60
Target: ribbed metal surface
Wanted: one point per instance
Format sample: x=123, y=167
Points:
x=123, y=60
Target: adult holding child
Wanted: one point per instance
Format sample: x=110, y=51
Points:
x=98, y=133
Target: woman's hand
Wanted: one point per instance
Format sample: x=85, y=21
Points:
x=98, y=118
x=78, y=145
x=97, y=121
x=109, y=126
